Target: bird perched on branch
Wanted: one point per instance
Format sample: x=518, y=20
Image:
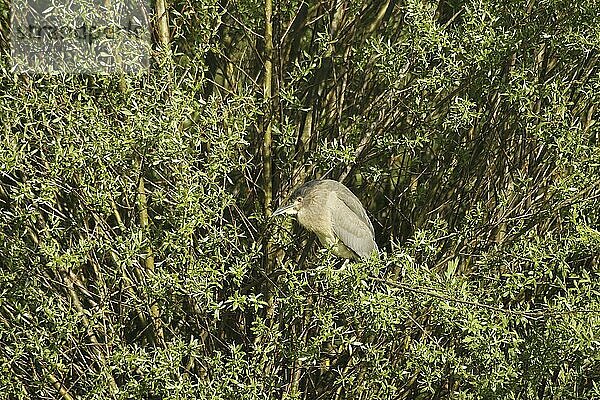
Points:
x=329, y=209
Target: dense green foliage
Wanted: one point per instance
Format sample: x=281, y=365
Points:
x=134, y=237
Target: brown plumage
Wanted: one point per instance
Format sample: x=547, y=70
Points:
x=329, y=209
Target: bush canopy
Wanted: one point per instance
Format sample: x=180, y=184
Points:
x=138, y=259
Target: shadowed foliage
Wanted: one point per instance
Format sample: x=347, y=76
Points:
x=137, y=259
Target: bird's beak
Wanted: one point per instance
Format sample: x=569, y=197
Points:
x=289, y=209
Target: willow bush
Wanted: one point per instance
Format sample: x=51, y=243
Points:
x=137, y=259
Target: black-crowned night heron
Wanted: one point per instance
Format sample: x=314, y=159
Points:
x=334, y=213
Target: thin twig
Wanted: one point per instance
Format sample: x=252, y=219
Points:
x=533, y=314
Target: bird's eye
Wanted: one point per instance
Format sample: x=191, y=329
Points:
x=299, y=199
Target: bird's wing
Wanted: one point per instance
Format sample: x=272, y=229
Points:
x=350, y=229
x=351, y=201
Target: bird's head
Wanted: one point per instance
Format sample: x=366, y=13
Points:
x=291, y=207
x=300, y=198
